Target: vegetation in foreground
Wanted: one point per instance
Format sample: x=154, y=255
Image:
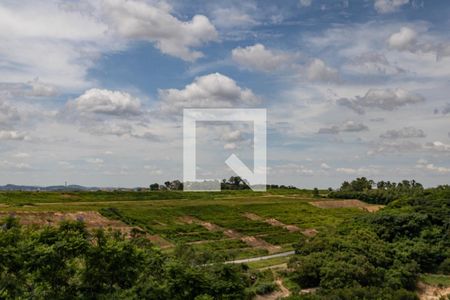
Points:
x=380, y=255
x=68, y=262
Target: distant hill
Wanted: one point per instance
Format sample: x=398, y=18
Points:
x=73, y=187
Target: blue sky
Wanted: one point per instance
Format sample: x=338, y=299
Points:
x=92, y=92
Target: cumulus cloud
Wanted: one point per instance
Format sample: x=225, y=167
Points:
x=405, y=132
x=388, y=6
x=142, y=21
x=407, y=39
x=41, y=89
x=258, y=57
x=348, y=126
x=438, y=146
x=100, y=101
x=212, y=90
x=424, y=165
x=384, y=99
x=403, y=40
x=10, y=135
x=319, y=71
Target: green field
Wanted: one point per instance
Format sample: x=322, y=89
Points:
x=160, y=213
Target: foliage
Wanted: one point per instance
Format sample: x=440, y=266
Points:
x=68, y=262
x=379, y=255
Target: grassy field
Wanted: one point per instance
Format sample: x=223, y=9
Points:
x=210, y=222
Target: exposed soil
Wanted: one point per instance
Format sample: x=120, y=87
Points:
x=252, y=216
x=192, y=220
x=281, y=293
x=272, y=221
x=92, y=219
x=261, y=244
x=431, y=292
x=233, y=234
x=347, y=203
x=310, y=232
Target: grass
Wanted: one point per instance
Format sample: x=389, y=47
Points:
x=268, y=262
x=436, y=279
x=160, y=212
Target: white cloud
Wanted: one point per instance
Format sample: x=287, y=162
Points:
x=212, y=90
x=348, y=126
x=405, y=39
x=142, y=21
x=95, y=161
x=231, y=18
x=405, y=132
x=388, y=6
x=325, y=166
x=21, y=155
x=41, y=89
x=424, y=165
x=305, y=3
x=438, y=146
x=100, y=101
x=384, y=99
x=11, y=135
x=357, y=171
x=319, y=71
x=258, y=57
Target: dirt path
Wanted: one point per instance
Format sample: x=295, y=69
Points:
x=281, y=293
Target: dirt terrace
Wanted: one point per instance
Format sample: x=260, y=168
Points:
x=346, y=204
x=249, y=240
x=92, y=219
x=274, y=222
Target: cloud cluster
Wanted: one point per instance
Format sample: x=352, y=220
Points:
x=405, y=132
x=208, y=91
x=407, y=39
x=388, y=6
x=142, y=21
x=319, y=71
x=384, y=99
x=348, y=126
x=100, y=101
x=424, y=165
x=11, y=135
x=258, y=57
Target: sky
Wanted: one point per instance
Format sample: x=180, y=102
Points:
x=92, y=92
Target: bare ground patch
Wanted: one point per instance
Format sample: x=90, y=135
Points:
x=280, y=294
x=431, y=292
x=346, y=204
x=192, y=220
x=233, y=234
x=275, y=222
x=92, y=220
